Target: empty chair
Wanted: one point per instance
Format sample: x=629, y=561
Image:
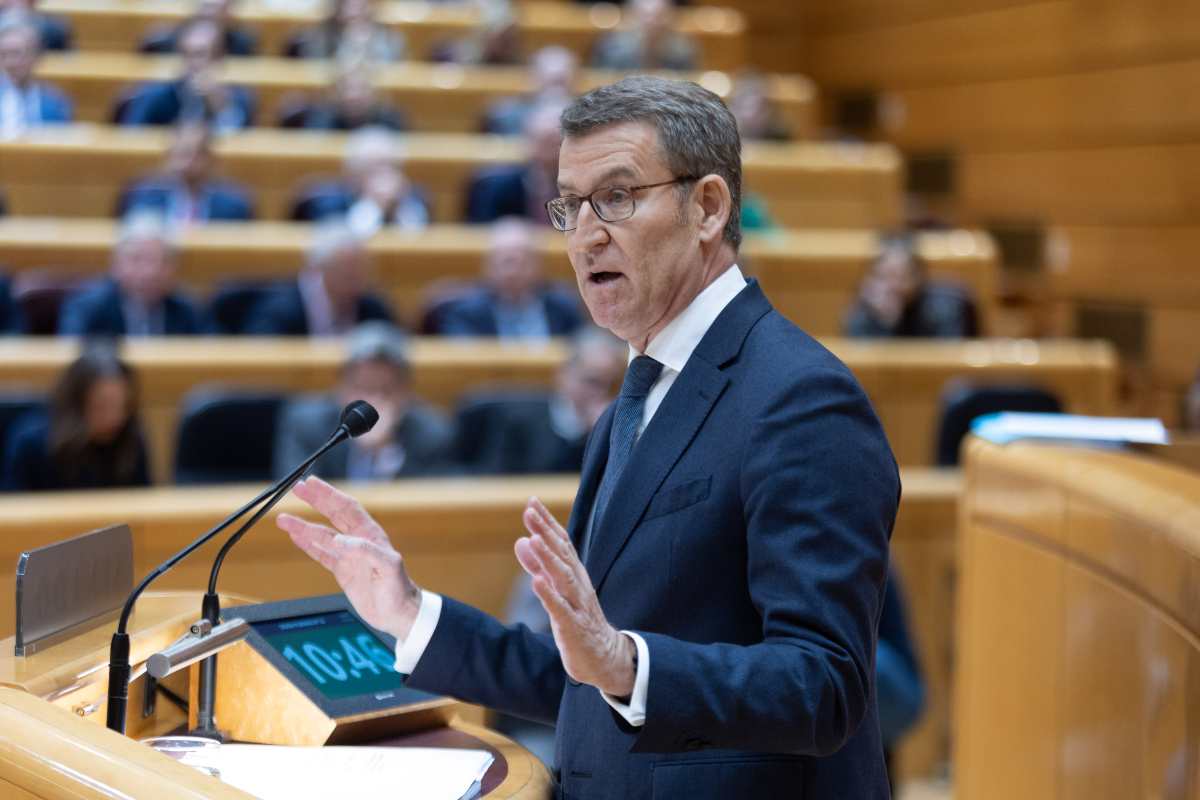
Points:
x=963, y=403
x=226, y=437
x=40, y=297
x=231, y=304
x=511, y=432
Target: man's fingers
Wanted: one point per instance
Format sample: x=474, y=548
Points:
x=313, y=539
x=559, y=545
x=550, y=519
x=346, y=513
x=552, y=601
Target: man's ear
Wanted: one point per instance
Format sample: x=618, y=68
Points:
x=715, y=202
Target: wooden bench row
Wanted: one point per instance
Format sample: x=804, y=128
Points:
x=78, y=171
x=904, y=380
x=811, y=276
x=434, y=97
x=113, y=25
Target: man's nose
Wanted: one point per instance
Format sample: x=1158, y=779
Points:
x=590, y=230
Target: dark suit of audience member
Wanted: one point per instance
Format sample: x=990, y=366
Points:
x=217, y=200
x=90, y=437
x=330, y=297
x=410, y=438
x=896, y=299
x=553, y=312
x=328, y=117
x=11, y=318
x=100, y=310
x=520, y=190
x=333, y=199
x=238, y=41
x=552, y=75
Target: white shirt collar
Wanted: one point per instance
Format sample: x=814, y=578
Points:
x=675, y=343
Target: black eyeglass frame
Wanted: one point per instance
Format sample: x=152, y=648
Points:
x=587, y=198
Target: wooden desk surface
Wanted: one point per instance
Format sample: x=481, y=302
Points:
x=109, y=25
x=812, y=277
x=904, y=379
x=435, y=97
x=78, y=170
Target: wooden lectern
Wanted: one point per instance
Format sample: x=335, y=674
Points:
x=53, y=743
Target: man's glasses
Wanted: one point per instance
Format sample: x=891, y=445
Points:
x=611, y=203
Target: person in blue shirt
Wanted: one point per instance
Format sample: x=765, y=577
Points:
x=24, y=102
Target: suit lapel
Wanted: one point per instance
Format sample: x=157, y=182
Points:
x=594, y=461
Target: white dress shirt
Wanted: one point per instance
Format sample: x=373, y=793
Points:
x=672, y=347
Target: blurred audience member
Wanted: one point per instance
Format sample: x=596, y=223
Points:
x=186, y=191
x=237, y=40
x=353, y=103
x=352, y=35
x=410, y=439
x=650, y=43
x=897, y=299
x=331, y=295
x=521, y=190
x=1191, y=406
x=373, y=193
x=24, y=102
x=757, y=118
x=514, y=300
x=525, y=433
x=11, y=318
x=89, y=439
x=199, y=93
x=496, y=40
x=53, y=32
x=139, y=298
x=552, y=72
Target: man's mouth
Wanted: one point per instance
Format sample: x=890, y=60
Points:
x=603, y=277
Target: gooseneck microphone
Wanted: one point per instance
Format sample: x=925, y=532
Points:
x=356, y=419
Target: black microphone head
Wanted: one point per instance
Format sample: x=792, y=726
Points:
x=358, y=418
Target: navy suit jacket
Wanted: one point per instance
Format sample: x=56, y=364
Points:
x=748, y=545
x=474, y=314
x=498, y=192
x=219, y=200
x=164, y=104
x=97, y=310
x=281, y=313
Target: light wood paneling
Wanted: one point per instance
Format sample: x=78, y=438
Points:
x=853, y=15
x=79, y=170
x=109, y=25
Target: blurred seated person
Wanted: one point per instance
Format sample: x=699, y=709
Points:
x=186, y=191
x=53, y=32
x=140, y=297
x=24, y=102
x=373, y=193
x=199, y=93
x=90, y=438
x=411, y=438
x=11, y=318
x=237, y=40
x=495, y=41
x=649, y=43
x=521, y=190
x=897, y=299
x=757, y=118
x=353, y=103
x=514, y=300
x=329, y=298
x=552, y=72
x=351, y=34
x=1191, y=406
x=544, y=432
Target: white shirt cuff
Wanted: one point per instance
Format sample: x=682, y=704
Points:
x=634, y=711
x=409, y=652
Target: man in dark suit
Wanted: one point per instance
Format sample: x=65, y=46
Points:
x=514, y=301
x=331, y=295
x=714, y=599
x=199, y=93
x=140, y=297
x=236, y=40
x=24, y=102
x=520, y=190
x=186, y=192
x=53, y=32
x=411, y=439
x=552, y=74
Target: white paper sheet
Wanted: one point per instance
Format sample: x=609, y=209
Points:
x=272, y=772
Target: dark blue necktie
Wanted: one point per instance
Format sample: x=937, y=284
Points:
x=642, y=373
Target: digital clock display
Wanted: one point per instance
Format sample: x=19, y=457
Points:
x=334, y=650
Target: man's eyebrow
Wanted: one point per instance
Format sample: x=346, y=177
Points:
x=615, y=172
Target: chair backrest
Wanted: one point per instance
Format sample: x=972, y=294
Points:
x=40, y=295
x=226, y=436
x=12, y=408
x=963, y=403
x=232, y=303
x=481, y=421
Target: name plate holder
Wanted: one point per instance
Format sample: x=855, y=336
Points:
x=69, y=585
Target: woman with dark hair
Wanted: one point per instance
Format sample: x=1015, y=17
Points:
x=91, y=437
